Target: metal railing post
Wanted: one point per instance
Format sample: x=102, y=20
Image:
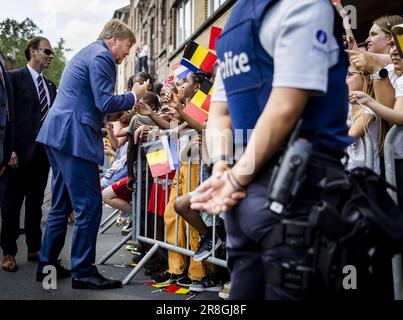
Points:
x=369, y=151
x=137, y=214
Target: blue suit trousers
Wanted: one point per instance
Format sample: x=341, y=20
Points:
x=75, y=186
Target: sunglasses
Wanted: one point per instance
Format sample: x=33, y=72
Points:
x=351, y=73
x=48, y=52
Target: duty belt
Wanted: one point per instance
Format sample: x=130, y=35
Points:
x=297, y=234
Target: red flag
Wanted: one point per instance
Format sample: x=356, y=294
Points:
x=215, y=33
x=172, y=288
x=208, y=62
x=199, y=107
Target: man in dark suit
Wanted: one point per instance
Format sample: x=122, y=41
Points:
x=27, y=172
x=6, y=119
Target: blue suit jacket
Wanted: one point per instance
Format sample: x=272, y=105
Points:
x=85, y=95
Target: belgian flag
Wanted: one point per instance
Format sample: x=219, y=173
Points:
x=157, y=159
x=197, y=58
x=199, y=107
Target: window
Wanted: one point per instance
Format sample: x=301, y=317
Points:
x=213, y=5
x=185, y=25
x=163, y=14
x=163, y=22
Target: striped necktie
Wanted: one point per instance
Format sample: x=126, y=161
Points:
x=43, y=99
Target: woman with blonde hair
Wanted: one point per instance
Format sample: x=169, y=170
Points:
x=363, y=121
x=393, y=115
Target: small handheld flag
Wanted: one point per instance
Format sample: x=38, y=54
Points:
x=180, y=71
x=214, y=34
x=157, y=159
x=170, y=148
x=199, y=107
x=197, y=58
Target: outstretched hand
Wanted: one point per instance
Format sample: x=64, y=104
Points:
x=140, y=90
x=359, y=97
x=364, y=61
x=143, y=109
x=218, y=194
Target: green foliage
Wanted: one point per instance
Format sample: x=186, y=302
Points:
x=55, y=70
x=14, y=37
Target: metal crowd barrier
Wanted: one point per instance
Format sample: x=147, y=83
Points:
x=390, y=174
x=369, y=151
x=151, y=239
x=108, y=222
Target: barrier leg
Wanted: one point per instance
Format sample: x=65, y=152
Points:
x=114, y=213
x=115, y=249
x=142, y=262
x=107, y=227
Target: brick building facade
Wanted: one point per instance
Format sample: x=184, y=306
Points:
x=166, y=26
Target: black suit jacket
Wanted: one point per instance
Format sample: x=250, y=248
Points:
x=27, y=111
x=6, y=121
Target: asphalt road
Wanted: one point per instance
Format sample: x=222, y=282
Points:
x=22, y=285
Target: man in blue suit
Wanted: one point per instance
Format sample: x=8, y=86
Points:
x=73, y=140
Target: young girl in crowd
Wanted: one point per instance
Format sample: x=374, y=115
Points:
x=363, y=121
x=392, y=114
x=118, y=195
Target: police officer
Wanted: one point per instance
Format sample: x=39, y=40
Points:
x=280, y=61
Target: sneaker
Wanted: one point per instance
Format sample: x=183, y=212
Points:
x=165, y=278
x=127, y=228
x=185, y=282
x=137, y=258
x=133, y=247
x=224, y=293
x=206, y=284
x=121, y=220
x=154, y=270
x=206, y=248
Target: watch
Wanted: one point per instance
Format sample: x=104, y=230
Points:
x=382, y=73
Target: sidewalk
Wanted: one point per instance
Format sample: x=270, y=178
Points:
x=22, y=285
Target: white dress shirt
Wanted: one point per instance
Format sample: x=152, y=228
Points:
x=35, y=76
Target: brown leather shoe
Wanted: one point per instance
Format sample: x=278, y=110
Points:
x=9, y=264
x=33, y=256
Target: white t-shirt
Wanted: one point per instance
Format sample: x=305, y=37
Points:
x=398, y=144
x=392, y=75
x=298, y=35
x=356, y=151
x=185, y=137
x=144, y=51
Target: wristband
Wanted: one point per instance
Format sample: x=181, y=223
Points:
x=235, y=184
